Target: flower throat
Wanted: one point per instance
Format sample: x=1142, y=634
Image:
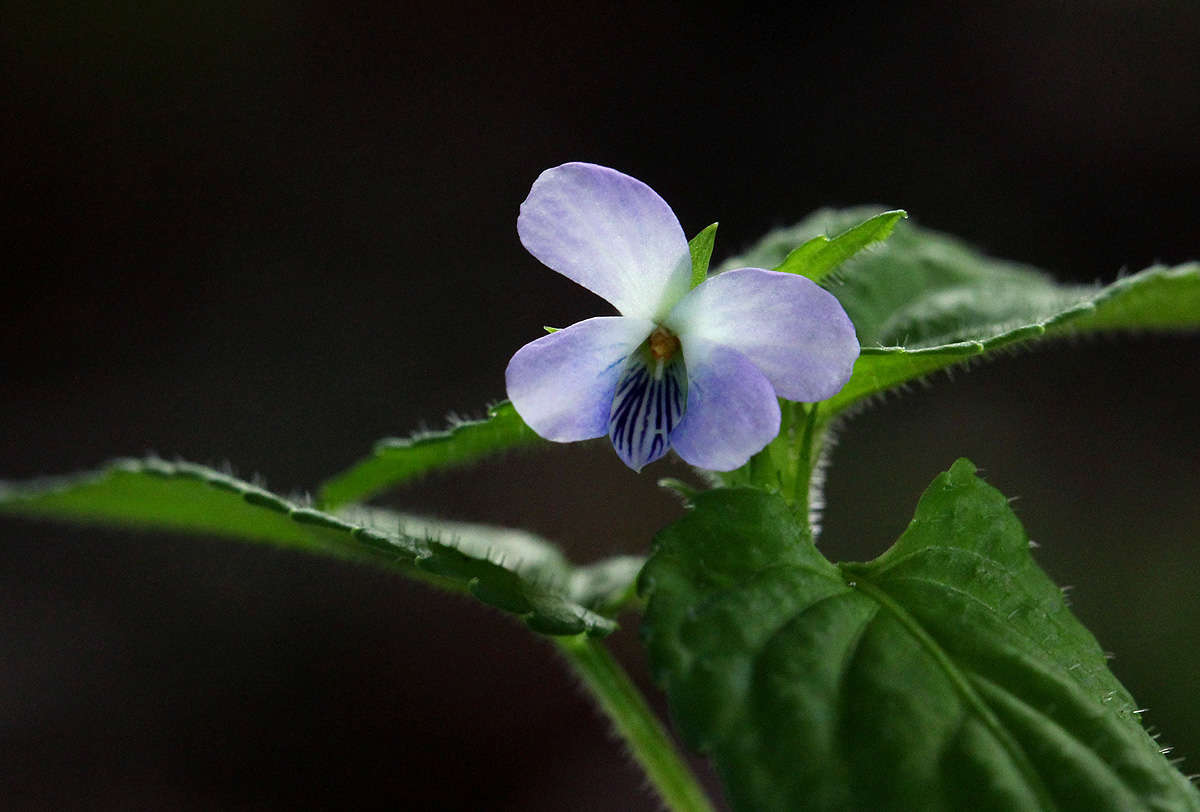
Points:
x=663, y=344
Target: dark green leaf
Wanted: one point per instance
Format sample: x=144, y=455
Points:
x=924, y=301
x=946, y=674
x=819, y=256
x=605, y=587
x=397, y=460
x=509, y=569
x=701, y=248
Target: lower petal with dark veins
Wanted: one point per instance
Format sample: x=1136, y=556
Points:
x=648, y=403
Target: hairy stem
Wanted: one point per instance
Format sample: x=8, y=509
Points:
x=642, y=731
x=805, y=461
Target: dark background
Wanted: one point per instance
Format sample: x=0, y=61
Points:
x=269, y=234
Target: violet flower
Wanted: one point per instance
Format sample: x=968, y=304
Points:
x=696, y=370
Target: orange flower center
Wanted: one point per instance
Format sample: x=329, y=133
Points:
x=663, y=344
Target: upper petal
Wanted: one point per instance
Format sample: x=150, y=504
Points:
x=793, y=330
x=562, y=384
x=610, y=233
x=732, y=411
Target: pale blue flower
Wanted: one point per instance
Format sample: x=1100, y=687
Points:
x=696, y=370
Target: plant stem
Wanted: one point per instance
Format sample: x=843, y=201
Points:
x=805, y=461
x=642, y=731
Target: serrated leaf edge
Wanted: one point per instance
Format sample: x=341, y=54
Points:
x=328, y=496
x=1057, y=325
x=552, y=608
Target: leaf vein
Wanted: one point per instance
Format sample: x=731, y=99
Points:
x=958, y=678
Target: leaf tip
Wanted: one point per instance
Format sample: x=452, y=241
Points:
x=961, y=472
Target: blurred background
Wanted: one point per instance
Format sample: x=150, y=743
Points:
x=270, y=233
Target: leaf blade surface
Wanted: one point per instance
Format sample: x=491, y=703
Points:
x=949, y=664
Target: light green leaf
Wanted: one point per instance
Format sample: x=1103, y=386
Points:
x=509, y=569
x=925, y=301
x=701, y=248
x=819, y=256
x=947, y=674
x=397, y=460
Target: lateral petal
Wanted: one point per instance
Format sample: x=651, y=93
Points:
x=562, y=384
x=732, y=411
x=610, y=233
x=794, y=331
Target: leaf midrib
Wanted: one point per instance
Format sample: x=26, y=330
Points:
x=957, y=678
x=1035, y=644
x=893, y=564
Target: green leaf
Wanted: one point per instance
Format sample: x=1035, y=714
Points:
x=946, y=674
x=925, y=301
x=701, y=248
x=397, y=460
x=819, y=256
x=1155, y=299
x=509, y=569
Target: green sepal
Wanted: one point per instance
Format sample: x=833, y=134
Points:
x=508, y=569
x=701, y=248
x=946, y=674
x=398, y=460
x=821, y=255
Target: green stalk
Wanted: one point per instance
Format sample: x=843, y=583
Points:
x=805, y=462
x=642, y=731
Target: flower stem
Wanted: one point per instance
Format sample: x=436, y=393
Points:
x=642, y=731
x=805, y=461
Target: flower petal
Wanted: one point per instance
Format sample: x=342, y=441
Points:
x=610, y=233
x=793, y=330
x=646, y=407
x=562, y=384
x=732, y=411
